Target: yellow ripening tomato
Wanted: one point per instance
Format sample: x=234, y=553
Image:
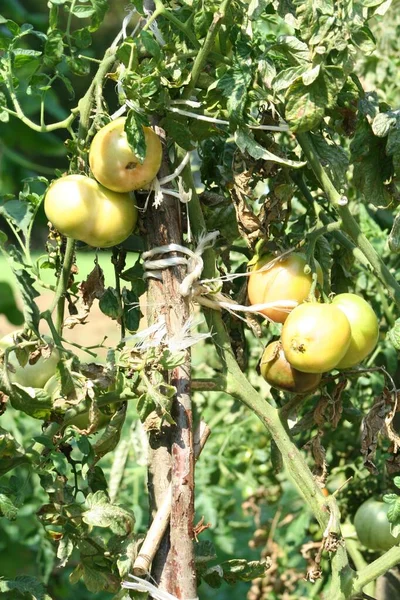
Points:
x=113, y=162
x=30, y=375
x=364, y=328
x=284, y=280
x=315, y=337
x=372, y=526
x=84, y=210
x=280, y=374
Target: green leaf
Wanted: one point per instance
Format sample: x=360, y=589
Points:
x=247, y=143
x=131, y=313
x=169, y=360
x=33, y=401
x=78, y=66
x=8, y=305
x=383, y=123
x=204, y=551
x=135, y=133
x=308, y=77
x=101, y=513
x=101, y=7
x=96, y=579
x=82, y=38
x=150, y=44
x=394, y=239
x=25, y=283
x=294, y=49
x=286, y=77
x=241, y=570
x=112, y=433
x=53, y=49
x=257, y=8
x=179, y=132
x=7, y=507
x=110, y=305
x=11, y=453
x=30, y=587
x=83, y=12
x=235, y=83
x=17, y=212
x=393, y=335
x=334, y=159
x=372, y=166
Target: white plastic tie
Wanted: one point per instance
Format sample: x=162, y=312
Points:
x=141, y=585
x=193, y=261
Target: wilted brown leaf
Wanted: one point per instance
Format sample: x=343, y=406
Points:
x=93, y=288
x=372, y=425
x=319, y=455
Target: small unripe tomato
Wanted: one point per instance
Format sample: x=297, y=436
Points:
x=284, y=280
x=113, y=162
x=372, y=526
x=30, y=375
x=84, y=210
x=315, y=337
x=364, y=328
x=280, y=374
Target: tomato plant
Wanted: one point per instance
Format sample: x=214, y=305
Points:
x=247, y=128
x=284, y=279
x=82, y=209
x=372, y=526
x=364, y=328
x=115, y=165
x=280, y=374
x=27, y=368
x=315, y=337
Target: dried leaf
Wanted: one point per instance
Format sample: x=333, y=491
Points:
x=319, y=455
x=372, y=425
x=93, y=288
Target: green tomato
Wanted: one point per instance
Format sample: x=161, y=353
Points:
x=364, y=328
x=283, y=280
x=315, y=337
x=84, y=210
x=280, y=374
x=30, y=375
x=115, y=165
x=372, y=526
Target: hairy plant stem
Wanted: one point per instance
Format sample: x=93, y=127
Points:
x=206, y=48
x=350, y=225
x=62, y=284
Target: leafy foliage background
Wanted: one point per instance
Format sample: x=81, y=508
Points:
x=237, y=490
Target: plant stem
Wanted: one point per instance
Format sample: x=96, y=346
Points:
x=350, y=225
x=206, y=48
x=162, y=10
x=375, y=569
x=62, y=284
x=352, y=547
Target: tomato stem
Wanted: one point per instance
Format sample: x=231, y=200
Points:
x=62, y=284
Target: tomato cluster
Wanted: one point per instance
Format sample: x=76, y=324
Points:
x=100, y=211
x=316, y=337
